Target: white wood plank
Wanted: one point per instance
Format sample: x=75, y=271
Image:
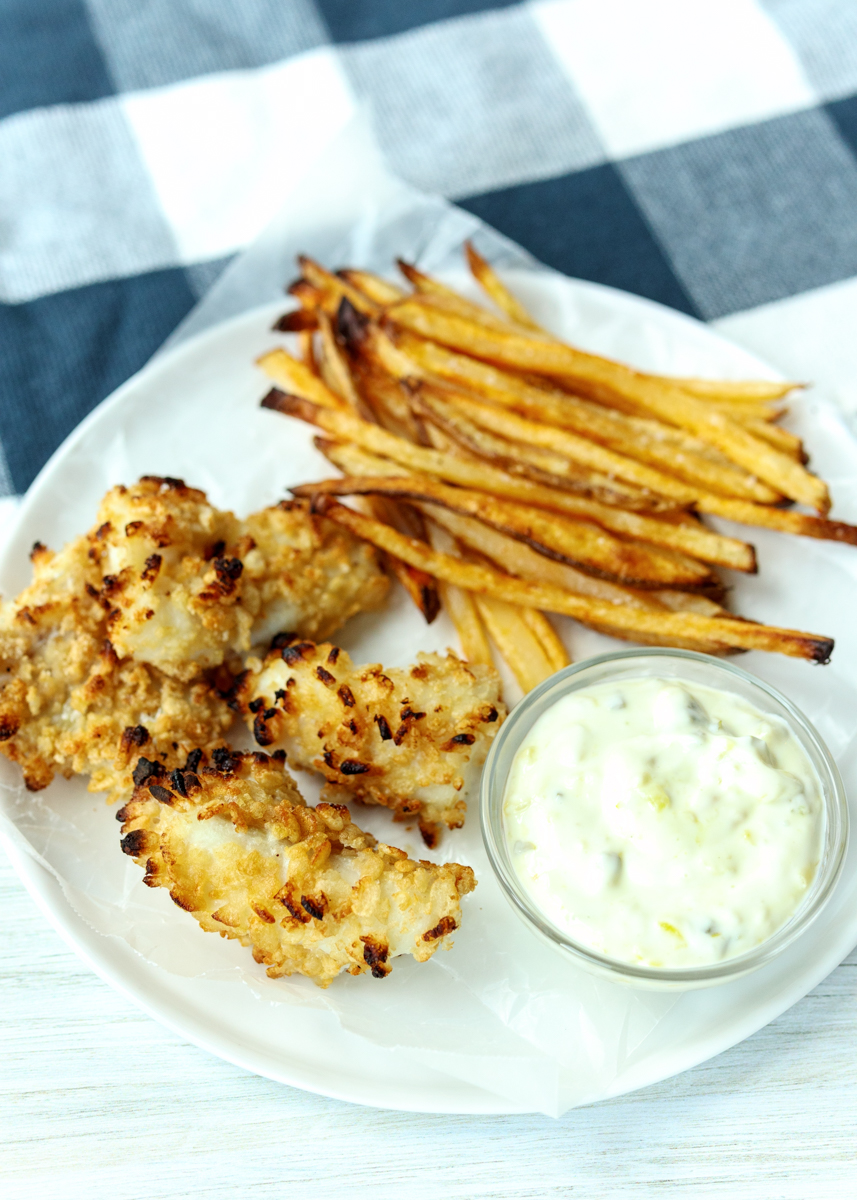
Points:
x=98, y=1100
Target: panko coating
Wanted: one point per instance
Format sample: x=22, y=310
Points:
x=107, y=650
x=68, y=704
x=412, y=739
x=189, y=585
x=174, y=594
x=237, y=847
x=310, y=574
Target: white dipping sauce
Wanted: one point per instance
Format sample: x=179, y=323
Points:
x=663, y=823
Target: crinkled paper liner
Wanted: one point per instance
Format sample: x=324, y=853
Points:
x=500, y=1010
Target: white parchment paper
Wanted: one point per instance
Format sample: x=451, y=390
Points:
x=500, y=1011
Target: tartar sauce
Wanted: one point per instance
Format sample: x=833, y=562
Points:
x=663, y=823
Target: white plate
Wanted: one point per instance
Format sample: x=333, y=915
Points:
x=193, y=412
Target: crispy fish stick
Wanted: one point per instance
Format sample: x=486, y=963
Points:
x=187, y=584
x=309, y=892
x=410, y=739
x=69, y=704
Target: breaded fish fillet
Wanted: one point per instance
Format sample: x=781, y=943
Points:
x=239, y=849
x=308, y=573
x=412, y=739
x=189, y=585
x=67, y=702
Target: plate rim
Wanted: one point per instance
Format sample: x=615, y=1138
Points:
x=81, y=939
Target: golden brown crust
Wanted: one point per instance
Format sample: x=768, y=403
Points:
x=68, y=704
x=113, y=638
x=411, y=739
x=309, y=892
x=171, y=588
x=308, y=578
x=186, y=584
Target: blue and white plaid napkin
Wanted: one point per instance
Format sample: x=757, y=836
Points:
x=702, y=153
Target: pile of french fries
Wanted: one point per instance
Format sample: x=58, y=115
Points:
x=506, y=475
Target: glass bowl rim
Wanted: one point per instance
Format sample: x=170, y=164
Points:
x=836, y=818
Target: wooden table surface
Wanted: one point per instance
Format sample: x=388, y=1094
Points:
x=97, y=1100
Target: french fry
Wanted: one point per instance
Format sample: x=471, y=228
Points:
x=783, y=439
x=691, y=539
x=551, y=643
x=297, y=321
x=662, y=446
x=741, y=511
x=433, y=294
x=665, y=448
x=691, y=602
x=483, y=580
x=426, y=287
x=467, y=471
x=309, y=297
x=734, y=391
x=421, y=358
x=524, y=636
x=746, y=412
x=460, y=604
x=781, y=519
x=377, y=347
x=306, y=346
x=743, y=411
x=420, y=586
x=390, y=404
x=534, y=462
x=570, y=445
x=575, y=542
x=394, y=357
x=299, y=380
x=387, y=401
x=471, y=473
x=333, y=288
x=340, y=380
x=514, y=428
x=509, y=474
x=516, y=640
x=336, y=375
x=515, y=558
x=379, y=291
x=493, y=286
x=325, y=371
x=468, y=623
x=602, y=378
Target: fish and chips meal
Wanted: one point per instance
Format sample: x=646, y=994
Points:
x=493, y=470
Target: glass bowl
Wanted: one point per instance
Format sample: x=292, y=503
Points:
x=693, y=668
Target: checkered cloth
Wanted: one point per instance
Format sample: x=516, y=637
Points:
x=702, y=153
